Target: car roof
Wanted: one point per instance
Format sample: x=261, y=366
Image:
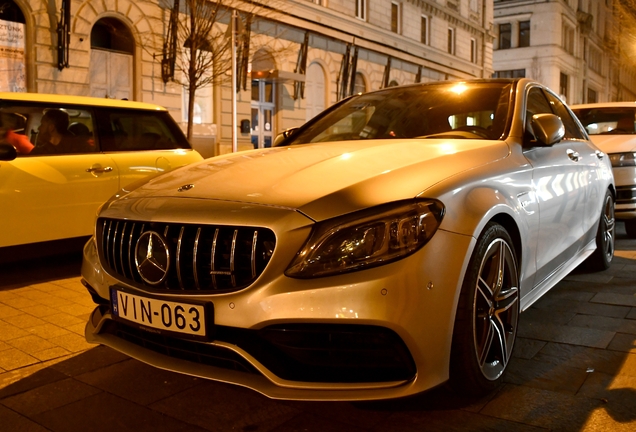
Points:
x=626, y=104
x=78, y=100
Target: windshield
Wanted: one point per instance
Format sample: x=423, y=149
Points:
x=602, y=121
x=440, y=110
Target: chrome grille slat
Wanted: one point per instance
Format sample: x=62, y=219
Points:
x=203, y=258
x=212, y=259
x=121, y=248
x=179, y=242
x=232, y=254
x=253, y=256
x=194, y=259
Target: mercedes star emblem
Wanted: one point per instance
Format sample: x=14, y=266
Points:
x=152, y=258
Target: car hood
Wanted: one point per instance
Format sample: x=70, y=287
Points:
x=327, y=179
x=615, y=143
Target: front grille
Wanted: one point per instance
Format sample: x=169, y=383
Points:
x=198, y=257
x=296, y=352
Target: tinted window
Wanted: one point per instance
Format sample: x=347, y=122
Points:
x=536, y=103
x=602, y=121
x=456, y=110
x=130, y=130
x=46, y=129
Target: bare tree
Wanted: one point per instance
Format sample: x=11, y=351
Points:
x=197, y=52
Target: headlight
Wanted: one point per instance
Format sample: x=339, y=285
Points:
x=623, y=159
x=368, y=238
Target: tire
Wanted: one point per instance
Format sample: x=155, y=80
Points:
x=487, y=315
x=605, y=237
x=630, y=228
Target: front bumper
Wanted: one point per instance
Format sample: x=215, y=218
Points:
x=375, y=334
x=625, y=178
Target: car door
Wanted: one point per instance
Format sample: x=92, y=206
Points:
x=143, y=142
x=562, y=189
x=50, y=196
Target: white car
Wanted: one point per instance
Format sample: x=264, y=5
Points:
x=611, y=127
x=383, y=248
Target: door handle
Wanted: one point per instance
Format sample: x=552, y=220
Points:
x=99, y=170
x=573, y=155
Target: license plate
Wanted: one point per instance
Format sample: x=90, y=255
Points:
x=159, y=314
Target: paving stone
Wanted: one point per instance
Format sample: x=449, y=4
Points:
x=537, y=315
x=616, y=299
x=582, y=357
x=527, y=348
x=13, y=359
x=449, y=421
x=555, y=411
x=12, y=421
x=312, y=423
x=211, y=405
x=628, y=368
x=604, y=323
x=48, y=331
x=23, y=321
x=4, y=346
x=95, y=358
x=49, y=396
x=31, y=344
x=623, y=342
x=51, y=353
x=567, y=334
x=19, y=302
x=632, y=314
x=545, y=375
x=104, y=412
x=138, y=382
x=63, y=320
x=8, y=311
x=72, y=342
x=40, y=310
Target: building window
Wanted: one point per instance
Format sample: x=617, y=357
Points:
x=568, y=38
x=591, y=96
x=424, y=36
x=473, y=50
x=451, y=40
x=505, y=32
x=524, y=34
x=474, y=5
x=396, y=25
x=595, y=58
x=514, y=73
x=361, y=9
x=563, y=87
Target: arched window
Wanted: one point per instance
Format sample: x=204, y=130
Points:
x=111, y=68
x=315, y=91
x=263, y=99
x=360, y=84
x=9, y=11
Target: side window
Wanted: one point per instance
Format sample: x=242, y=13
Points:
x=572, y=128
x=133, y=130
x=37, y=129
x=536, y=103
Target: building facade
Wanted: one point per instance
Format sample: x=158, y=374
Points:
x=332, y=48
x=572, y=46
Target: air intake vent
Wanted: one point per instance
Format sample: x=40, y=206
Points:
x=166, y=256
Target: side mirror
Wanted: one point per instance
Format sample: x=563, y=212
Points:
x=7, y=152
x=547, y=128
x=284, y=135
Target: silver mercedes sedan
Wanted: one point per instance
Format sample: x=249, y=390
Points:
x=385, y=247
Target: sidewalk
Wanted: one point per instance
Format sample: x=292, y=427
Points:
x=575, y=370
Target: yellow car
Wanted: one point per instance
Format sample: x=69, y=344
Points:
x=62, y=156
